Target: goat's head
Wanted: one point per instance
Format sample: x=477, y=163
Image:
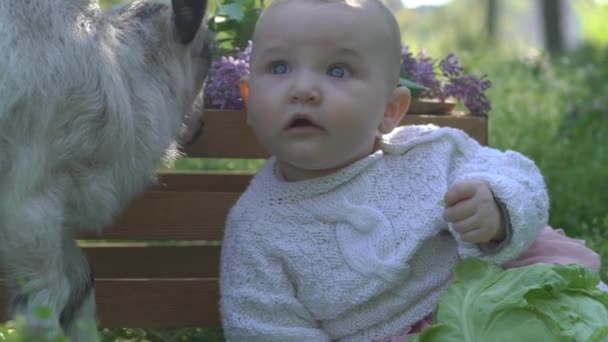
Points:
x=176, y=49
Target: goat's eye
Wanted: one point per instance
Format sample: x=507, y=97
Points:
x=338, y=71
x=279, y=68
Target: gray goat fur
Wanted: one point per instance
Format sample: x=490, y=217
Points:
x=91, y=102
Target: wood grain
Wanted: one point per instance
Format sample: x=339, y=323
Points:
x=227, y=135
x=154, y=303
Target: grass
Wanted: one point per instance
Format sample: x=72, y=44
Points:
x=151, y=335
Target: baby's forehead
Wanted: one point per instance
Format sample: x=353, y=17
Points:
x=361, y=13
x=325, y=20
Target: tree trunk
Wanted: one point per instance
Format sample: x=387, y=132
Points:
x=552, y=17
x=492, y=19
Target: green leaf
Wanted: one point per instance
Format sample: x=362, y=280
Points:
x=231, y=11
x=415, y=88
x=245, y=31
x=540, y=302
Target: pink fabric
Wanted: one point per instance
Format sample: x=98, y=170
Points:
x=551, y=246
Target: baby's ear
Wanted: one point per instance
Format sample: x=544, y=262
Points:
x=397, y=106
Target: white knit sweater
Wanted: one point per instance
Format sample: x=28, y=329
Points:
x=363, y=253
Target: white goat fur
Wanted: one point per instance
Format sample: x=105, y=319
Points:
x=90, y=103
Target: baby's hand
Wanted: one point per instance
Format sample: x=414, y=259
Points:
x=473, y=212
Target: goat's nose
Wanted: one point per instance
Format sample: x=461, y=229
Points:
x=198, y=131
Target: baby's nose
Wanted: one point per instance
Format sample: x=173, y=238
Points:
x=306, y=90
x=306, y=96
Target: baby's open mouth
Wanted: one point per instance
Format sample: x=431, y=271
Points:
x=302, y=122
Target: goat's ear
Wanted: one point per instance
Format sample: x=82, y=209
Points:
x=187, y=17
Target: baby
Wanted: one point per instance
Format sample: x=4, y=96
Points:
x=351, y=229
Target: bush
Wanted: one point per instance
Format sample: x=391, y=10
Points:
x=556, y=112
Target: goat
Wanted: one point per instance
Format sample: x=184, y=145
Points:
x=91, y=102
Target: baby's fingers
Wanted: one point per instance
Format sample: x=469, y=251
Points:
x=466, y=225
x=460, y=211
x=475, y=236
x=460, y=191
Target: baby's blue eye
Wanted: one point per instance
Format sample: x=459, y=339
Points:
x=338, y=71
x=279, y=68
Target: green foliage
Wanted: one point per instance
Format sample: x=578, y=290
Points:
x=557, y=113
x=19, y=330
x=158, y=335
x=233, y=23
x=40, y=328
x=223, y=164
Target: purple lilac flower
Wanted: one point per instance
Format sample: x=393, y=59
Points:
x=450, y=66
x=450, y=82
x=467, y=88
x=245, y=54
x=222, y=89
x=420, y=70
x=470, y=89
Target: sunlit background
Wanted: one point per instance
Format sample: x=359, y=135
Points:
x=441, y=25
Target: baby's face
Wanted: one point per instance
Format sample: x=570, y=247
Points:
x=318, y=88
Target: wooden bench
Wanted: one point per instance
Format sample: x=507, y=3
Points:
x=168, y=276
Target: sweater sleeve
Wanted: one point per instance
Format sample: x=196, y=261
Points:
x=515, y=181
x=258, y=302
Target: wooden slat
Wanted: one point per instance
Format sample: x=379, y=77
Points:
x=128, y=261
x=158, y=303
x=137, y=261
x=227, y=135
x=475, y=126
x=173, y=215
x=183, y=206
x=155, y=303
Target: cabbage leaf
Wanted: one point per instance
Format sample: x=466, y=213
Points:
x=539, y=302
